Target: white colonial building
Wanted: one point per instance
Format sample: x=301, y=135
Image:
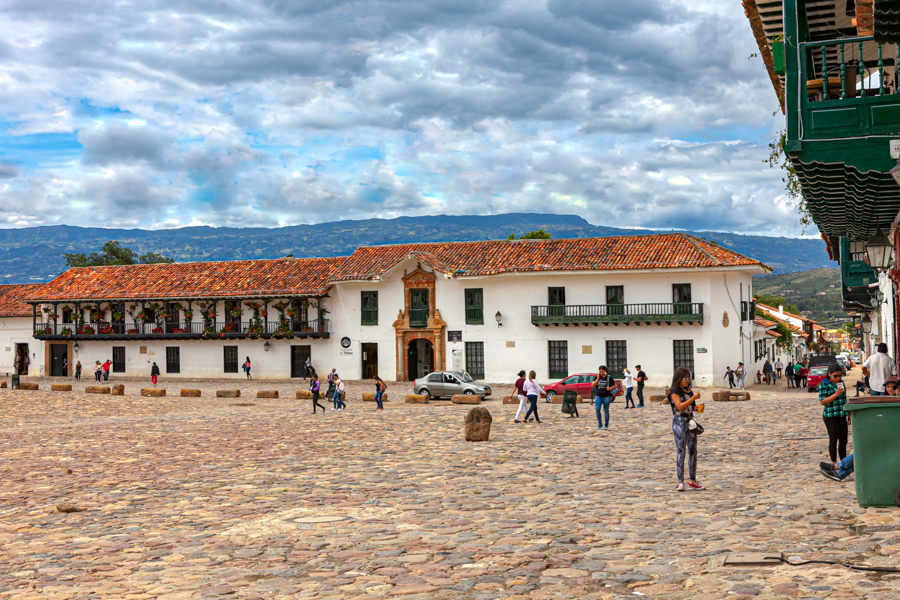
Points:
x=401, y=311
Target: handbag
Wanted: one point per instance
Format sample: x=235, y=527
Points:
x=696, y=427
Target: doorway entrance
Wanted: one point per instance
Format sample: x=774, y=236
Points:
x=420, y=358
x=59, y=356
x=299, y=354
x=369, y=360
x=22, y=360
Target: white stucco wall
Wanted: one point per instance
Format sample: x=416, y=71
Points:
x=516, y=345
x=18, y=330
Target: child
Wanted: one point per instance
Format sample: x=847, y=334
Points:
x=759, y=377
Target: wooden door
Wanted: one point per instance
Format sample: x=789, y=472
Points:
x=299, y=354
x=369, y=360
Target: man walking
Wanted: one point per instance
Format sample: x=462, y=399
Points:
x=729, y=375
x=641, y=377
x=767, y=371
x=789, y=374
x=778, y=367
x=741, y=374
x=878, y=368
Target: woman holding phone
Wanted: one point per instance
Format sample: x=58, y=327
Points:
x=833, y=396
x=682, y=399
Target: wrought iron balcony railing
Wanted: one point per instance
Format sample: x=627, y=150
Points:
x=182, y=329
x=657, y=312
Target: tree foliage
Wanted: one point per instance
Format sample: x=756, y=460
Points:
x=537, y=234
x=112, y=253
x=778, y=159
x=785, y=341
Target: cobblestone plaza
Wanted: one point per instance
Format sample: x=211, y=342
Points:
x=184, y=498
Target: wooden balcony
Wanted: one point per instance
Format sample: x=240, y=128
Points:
x=595, y=314
x=182, y=330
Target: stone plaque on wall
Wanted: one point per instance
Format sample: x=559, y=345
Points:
x=454, y=336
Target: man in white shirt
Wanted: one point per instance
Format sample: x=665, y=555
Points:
x=878, y=368
x=779, y=367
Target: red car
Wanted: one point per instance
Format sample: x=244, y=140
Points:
x=580, y=383
x=815, y=377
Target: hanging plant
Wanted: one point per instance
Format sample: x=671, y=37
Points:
x=118, y=316
x=237, y=311
x=188, y=315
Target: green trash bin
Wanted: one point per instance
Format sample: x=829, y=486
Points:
x=875, y=422
x=14, y=383
x=569, y=403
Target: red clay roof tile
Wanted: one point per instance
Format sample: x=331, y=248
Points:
x=226, y=279
x=12, y=296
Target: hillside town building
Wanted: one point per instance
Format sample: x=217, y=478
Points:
x=402, y=311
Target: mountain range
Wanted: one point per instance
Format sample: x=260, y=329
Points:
x=35, y=254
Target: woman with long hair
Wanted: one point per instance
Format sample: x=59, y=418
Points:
x=681, y=399
x=380, y=387
x=533, y=391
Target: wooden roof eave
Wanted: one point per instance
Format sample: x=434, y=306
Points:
x=762, y=42
x=177, y=298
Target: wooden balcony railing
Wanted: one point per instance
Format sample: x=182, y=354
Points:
x=183, y=329
x=657, y=312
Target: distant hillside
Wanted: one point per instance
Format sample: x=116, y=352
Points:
x=817, y=290
x=36, y=253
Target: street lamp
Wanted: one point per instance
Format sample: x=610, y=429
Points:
x=267, y=346
x=878, y=251
x=75, y=347
x=498, y=316
x=866, y=325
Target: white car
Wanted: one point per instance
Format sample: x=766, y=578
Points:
x=450, y=383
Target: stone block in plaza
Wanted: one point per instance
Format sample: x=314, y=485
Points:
x=190, y=393
x=118, y=390
x=659, y=399
x=29, y=386
x=153, y=392
x=417, y=398
x=304, y=395
x=96, y=389
x=730, y=396
x=60, y=387
x=465, y=399
x=2, y=384
x=478, y=424
x=557, y=399
x=267, y=394
x=508, y=400
x=370, y=397
x=228, y=393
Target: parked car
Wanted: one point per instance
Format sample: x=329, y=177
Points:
x=815, y=377
x=580, y=383
x=450, y=383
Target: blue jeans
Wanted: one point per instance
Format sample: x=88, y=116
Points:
x=741, y=382
x=604, y=402
x=339, y=400
x=874, y=393
x=628, y=397
x=845, y=467
x=532, y=401
x=378, y=398
x=640, y=395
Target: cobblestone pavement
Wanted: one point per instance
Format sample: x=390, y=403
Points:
x=249, y=498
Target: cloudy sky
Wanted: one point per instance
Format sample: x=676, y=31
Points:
x=157, y=114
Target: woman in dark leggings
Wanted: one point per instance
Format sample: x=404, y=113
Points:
x=533, y=390
x=681, y=399
x=833, y=396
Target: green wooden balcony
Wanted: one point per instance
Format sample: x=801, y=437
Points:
x=586, y=314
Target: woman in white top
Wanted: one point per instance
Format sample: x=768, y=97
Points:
x=629, y=383
x=533, y=391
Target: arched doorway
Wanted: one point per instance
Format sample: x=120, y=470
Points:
x=420, y=358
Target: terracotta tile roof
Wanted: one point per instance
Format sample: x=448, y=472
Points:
x=773, y=333
x=12, y=296
x=760, y=322
x=666, y=251
x=226, y=279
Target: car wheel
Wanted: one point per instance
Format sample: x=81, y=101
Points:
x=550, y=397
x=424, y=392
x=469, y=393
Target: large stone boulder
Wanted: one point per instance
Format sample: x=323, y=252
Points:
x=370, y=397
x=118, y=390
x=190, y=393
x=478, y=424
x=465, y=399
x=153, y=392
x=96, y=389
x=29, y=386
x=267, y=394
x=730, y=396
x=658, y=399
x=417, y=398
x=508, y=400
x=305, y=395
x=60, y=387
x=2, y=384
x=228, y=393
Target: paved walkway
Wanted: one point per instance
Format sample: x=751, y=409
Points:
x=245, y=498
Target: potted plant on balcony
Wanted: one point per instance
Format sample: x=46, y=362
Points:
x=118, y=315
x=66, y=332
x=255, y=330
x=283, y=331
x=158, y=329
x=107, y=329
x=237, y=311
x=86, y=330
x=132, y=331
x=44, y=329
